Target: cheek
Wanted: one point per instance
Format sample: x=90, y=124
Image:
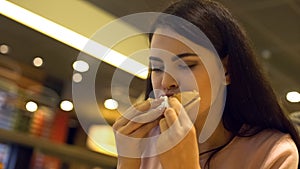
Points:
x=205, y=94
x=204, y=88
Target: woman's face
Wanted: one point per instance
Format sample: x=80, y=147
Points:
x=175, y=68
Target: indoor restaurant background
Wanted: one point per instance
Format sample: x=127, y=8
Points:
x=39, y=127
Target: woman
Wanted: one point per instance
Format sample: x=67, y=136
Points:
x=253, y=131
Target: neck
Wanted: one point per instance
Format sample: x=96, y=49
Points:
x=220, y=137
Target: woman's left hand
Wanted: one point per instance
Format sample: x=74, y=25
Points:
x=178, y=140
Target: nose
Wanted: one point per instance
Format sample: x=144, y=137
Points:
x=168, y=82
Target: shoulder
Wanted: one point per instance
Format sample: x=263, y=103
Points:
x=271, y=141
x=267, y=149
x=283, y=153
x=266, y=140
x=269, y=137
x=274, y=149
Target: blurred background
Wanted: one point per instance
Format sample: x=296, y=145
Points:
x=40, y=42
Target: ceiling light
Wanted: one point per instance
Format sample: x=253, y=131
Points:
x=72, y=38
x=111, y=104
x=81, y=66
x=266, y=54
x=77, y=77
x=31, y=106
x=37, y=62
x=293, y=97
x=4, y=49
x=66, y=105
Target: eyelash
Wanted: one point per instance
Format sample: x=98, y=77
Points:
x=187, y=66
x=157, y=69
x=161, y=69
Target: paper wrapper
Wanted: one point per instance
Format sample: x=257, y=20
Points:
x=187, y=99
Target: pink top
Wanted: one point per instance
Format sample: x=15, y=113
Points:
x=268, y=149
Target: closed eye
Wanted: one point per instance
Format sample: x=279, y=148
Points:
x=185, y=66
x=157, y=69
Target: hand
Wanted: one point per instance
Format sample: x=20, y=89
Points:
x=135, y=124
x=178, y=141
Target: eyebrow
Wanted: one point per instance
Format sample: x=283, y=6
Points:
x=174, y=58
x=182, y=55
x=155, y=58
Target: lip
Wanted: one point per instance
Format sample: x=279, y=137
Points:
x=170, y=94
x=167, y=94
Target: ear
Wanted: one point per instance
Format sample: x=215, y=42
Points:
x=225, y=66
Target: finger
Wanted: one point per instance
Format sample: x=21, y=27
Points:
x=130, y=127
x=182, y=114
x=125, y=117
x=149, y=116
x=148, y=104
x=121, y=121
x=141, y=108
x=133, y=112
x=118, y=123
x=174, y=103
x=163, y=125
x=144, y=130
x=171, y=117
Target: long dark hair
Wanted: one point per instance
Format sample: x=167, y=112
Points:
x=250, y=99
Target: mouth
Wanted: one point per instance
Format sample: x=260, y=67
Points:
x=170, y=94
x=186, y=98
x=166, y=94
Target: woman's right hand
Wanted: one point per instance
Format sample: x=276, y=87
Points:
x=135, y=124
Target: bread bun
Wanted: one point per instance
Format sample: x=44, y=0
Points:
x=187, y=97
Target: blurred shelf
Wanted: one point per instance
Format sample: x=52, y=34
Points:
x=67, y=153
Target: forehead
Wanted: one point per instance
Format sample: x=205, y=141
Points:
x=169, y=41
